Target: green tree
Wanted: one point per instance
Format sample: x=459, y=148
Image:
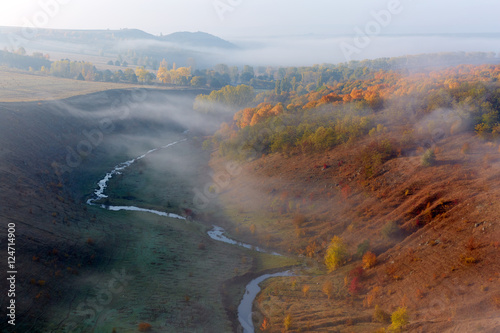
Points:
x=130, y=76
x=221, y=69
x=428, y=158
x=198, y=81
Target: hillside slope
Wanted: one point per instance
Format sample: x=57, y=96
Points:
x=52, y=153
x=442, y=263
x=399, y=190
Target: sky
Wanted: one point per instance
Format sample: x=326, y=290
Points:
x=237, y=18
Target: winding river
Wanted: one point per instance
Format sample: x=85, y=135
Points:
x=217, y=233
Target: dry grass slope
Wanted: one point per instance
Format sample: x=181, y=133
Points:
x=434, y=230
x=20, y=86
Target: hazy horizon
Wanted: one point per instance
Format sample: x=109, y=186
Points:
x=237, y=18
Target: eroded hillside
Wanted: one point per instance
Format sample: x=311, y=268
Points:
x=415, y=183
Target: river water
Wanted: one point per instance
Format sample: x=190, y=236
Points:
x=217, y=233
x=246, y=304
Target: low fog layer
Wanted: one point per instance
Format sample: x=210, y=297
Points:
x=203, y=50
x=315, y=49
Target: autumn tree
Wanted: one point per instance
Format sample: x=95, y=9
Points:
x=287, y=322
x=335, y=254
x=328, y=289
x=265, y=325
x=305, y=289
x=142, y=74
x=229, y=96
x=198, y=81
x=399, y=319
x=369, y=260
x=21, y=51
x=163, y=74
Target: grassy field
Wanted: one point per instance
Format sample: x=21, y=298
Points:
x=172, y=281
x=93, y=270
x=180, y=279
x=20, y=86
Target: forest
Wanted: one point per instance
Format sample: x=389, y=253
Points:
x=301, y=80
x=287, y=120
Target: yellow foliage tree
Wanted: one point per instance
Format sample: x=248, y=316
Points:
x=164, y=75
x=142, y=74
x=287, y=323
x=335, y=254
x=399, y=319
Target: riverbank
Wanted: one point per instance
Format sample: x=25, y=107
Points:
x=249, y=263
x=84, y=268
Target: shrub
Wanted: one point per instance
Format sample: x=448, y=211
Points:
x=468, y=260
x=357, y=272
x=399, y=319
x=370, y=297
x=299, y=220
x=144, y=327
x=328, y=289
x=265, y=325
x=428, y=158
x=311, y=249
x=369, y=260
x=362, y=248
x=376, y=154
x=390, y=230
x=465, y=148
x=287, y=322
x=335, y=254
x=305, y=290
x=496, y=301
x=380, y=316
x=471, y=244
x=354, y=287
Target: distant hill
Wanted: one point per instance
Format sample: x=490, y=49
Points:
x=136, y=46
x=132, y=34
x=199, y=39
x=191, y=39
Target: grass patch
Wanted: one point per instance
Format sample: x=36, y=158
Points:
x=265, y=261
x=169, y=275
x=19, y=86
x=174, y=279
